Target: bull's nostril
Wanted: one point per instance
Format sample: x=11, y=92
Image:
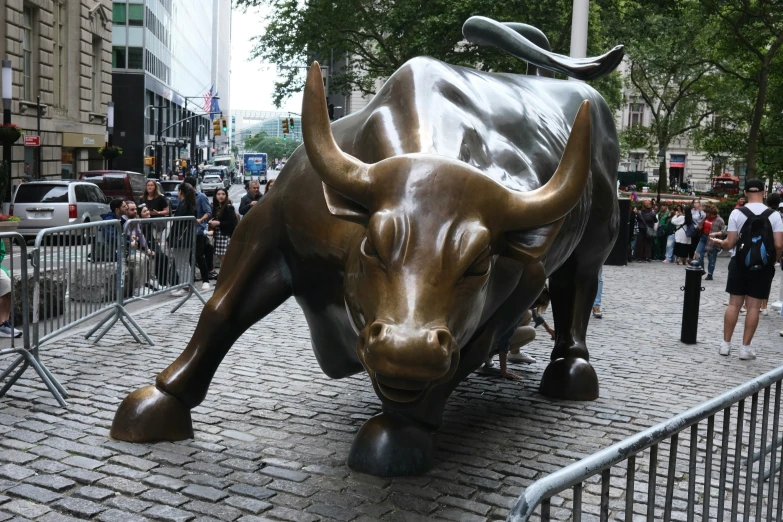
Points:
x=377, y=332
x=444, y=340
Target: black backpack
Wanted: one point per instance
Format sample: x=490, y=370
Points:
x=756, y=242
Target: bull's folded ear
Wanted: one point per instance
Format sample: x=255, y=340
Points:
x=345, y=208
x=529, y=246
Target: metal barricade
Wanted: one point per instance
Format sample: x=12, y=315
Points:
x=15, y=261
x=161, y=257
x=725, y=469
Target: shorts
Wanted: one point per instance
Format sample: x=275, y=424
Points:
x=752, y=284
x=5, y=283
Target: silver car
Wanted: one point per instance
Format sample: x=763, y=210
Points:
x=46, y=204
x=211, y=183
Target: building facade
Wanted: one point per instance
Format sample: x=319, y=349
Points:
x=163, y=66
x=60, y=52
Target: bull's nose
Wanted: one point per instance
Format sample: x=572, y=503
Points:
x=402, y=353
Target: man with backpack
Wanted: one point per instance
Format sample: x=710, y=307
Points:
x=757, y=233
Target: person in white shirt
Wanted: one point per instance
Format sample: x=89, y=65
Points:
x=743, y=285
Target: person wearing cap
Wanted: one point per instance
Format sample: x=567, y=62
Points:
x=748, y=287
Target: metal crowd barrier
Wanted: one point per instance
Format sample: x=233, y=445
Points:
x=726, y=469
x=15, y=261
x=161, y=257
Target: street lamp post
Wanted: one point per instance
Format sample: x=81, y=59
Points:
x=661, y=172
x=110, y=128
x=7, y=98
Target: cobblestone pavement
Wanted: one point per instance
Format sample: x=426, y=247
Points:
x=273, y=434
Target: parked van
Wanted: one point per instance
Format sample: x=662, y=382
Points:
x=45, y=204
x=117, y=183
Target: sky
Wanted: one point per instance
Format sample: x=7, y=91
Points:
x=252, y=82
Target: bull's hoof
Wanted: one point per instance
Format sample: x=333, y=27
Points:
x=390, y=446
x=149, y=415
x=571, y=378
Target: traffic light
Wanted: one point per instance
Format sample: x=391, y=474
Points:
x=225, y=127
x=216, y=127
x=291, y=124
x=285, y=127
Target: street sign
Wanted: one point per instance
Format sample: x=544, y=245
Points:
x=32, y=141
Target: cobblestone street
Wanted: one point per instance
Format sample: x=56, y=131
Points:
x=274, y=432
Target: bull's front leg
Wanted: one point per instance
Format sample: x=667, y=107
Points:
x=251, y=285
x=402, y=441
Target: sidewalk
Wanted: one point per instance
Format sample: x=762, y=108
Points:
x=274, y=432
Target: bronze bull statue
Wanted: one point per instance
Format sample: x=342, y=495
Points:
x=414, y=234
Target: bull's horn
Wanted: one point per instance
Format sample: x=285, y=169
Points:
x=562, y=192
x=342, y=172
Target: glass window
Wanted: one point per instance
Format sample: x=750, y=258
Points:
x=41, y=193
x=135, y=58
x=82, y=195
x=119, y=13
x=635, y=114
x=118, y=57
x=27, y=54
x=135, y=15
x=58, y=65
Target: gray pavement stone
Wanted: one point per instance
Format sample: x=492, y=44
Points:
x=273, y=434
x=79, y=507
x=34, y=493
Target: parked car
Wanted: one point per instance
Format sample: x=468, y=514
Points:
x=170, y=189
x=223, y=172
x=117, y=183
x=211, y=183
x=46, y=204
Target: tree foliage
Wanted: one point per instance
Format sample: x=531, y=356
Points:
x=384, y=34
x=273, y=146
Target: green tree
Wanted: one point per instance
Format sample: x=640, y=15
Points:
x=384, y=34
x=274, y=147
x=746, y=47
x=665, y=69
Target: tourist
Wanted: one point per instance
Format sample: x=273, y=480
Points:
x=252, y=197
x=223, y=223
x=661, y=234
x=713, y=226
x=740, y=202
x=204, y=250
x=645, y=237
x=268, y=186
x=181, y=237
x=633, y=229
x=6, y=285
x=682, y=242
x=154, y=200
x=750, y=273
x=597, y=313
x=697, y=215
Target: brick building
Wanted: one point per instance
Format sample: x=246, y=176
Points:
x=60, y=51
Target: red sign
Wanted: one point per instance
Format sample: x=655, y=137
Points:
x=32, y=141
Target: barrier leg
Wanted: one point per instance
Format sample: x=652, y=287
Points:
x=98, y=326
x=61, y=390
x=45, y=377
x=191, y=292
x=130, y=330
x=18, y=374
x=114, y=318
x=124, y=315
x=8, y=370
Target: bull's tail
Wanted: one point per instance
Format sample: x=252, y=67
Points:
x=531, y=45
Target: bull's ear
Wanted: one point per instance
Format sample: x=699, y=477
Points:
x=529, y=246
x=345, y=208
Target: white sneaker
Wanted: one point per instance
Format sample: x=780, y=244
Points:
x=153, y=284
x=725, y=348
x=205, y=286
x=746, y=353
x=180, y=292
x=7, y=331
x=521, y=358
x=764, y=311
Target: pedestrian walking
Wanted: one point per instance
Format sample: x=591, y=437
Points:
x=223, y=223
x=647, y=220
x=713, y=227
x=756, y=233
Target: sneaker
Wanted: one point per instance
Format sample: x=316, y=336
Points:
x=205, y=286
x=6, y=330
x=746, y=353
x=180, y=292
x=708, y=278
x=666, y=261
x=213, y=275
x=520, y=358
x=725, y=348
x=597, y=312
x=153, y=284
x=764, y=311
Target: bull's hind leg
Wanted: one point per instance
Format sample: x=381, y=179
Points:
x=569, y=375
x=253, y=282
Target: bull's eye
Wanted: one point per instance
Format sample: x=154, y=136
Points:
x=368, y=249
x=479, y=267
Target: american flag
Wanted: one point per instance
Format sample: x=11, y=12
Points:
x=207, y=101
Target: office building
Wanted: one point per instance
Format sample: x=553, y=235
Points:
x=166, y=56
x=60, y=53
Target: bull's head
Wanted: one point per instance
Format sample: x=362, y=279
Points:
x=416, y=283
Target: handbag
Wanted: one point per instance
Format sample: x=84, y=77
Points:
x=650, y=232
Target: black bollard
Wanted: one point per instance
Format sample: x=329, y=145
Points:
x=690, y=305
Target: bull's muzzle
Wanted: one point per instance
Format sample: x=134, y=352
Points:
x=404, y=363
